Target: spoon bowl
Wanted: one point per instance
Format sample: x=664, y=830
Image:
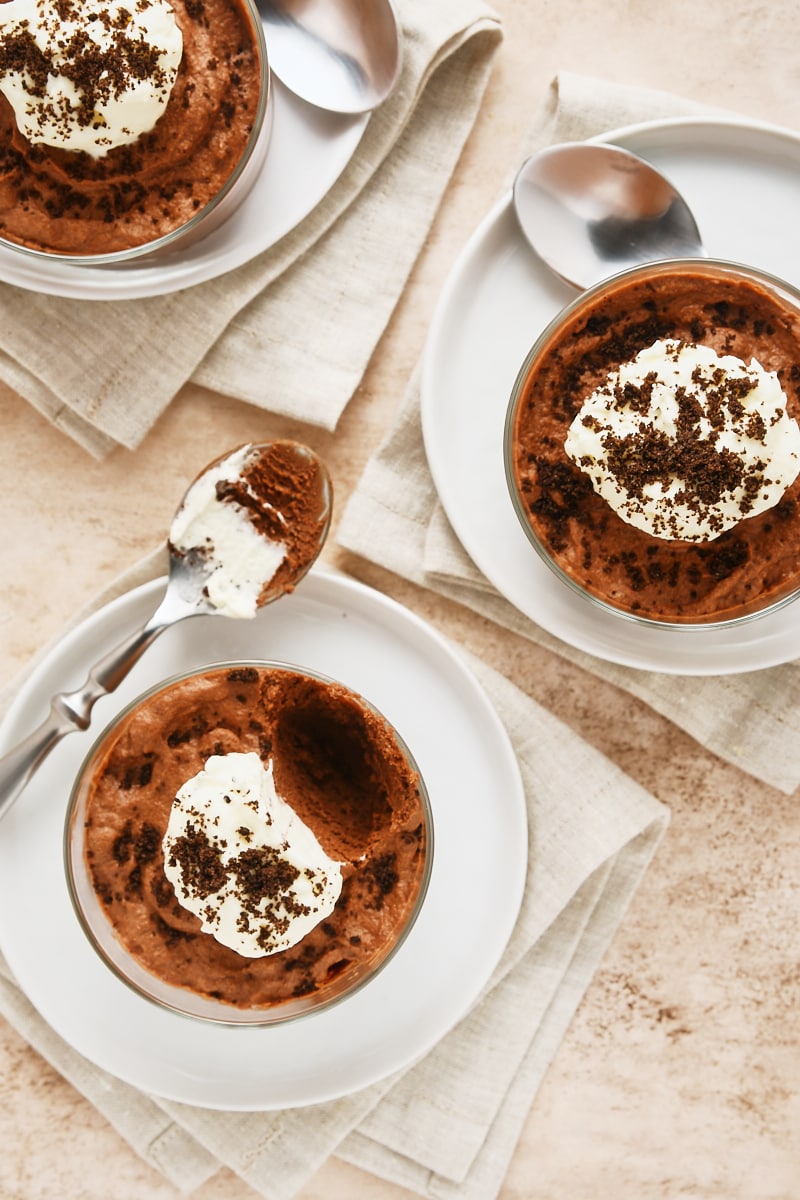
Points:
x=591, y=210
x=339, y=55
x=280, y=490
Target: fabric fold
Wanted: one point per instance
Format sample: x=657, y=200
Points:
x=106, y=370
x=395, y=518
x=155, y=1137
x=447, y=1124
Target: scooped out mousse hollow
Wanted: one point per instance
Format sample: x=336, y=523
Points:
x=248, y=842
x=652, y=444
x=124, y=128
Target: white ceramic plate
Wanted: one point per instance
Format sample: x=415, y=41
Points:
x=743, y=182
x=307, y=153
x=383, y=651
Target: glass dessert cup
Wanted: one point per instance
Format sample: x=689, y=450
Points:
x=768, y=543
x=215, y=211
x=360, y=961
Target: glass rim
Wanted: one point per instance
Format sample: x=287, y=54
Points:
x=730, y=267
x=262, y=128
x=184, y=1002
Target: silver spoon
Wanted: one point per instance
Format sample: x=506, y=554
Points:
x=340, y=55
x=591, y=209
x=270, y=471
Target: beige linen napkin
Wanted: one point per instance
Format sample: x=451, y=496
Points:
x=394, y=518
x=312, y=308
x=448, y=1124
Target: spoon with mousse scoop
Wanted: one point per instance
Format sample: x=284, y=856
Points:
x=246, y=532
x=591, y=209
x=340, y=55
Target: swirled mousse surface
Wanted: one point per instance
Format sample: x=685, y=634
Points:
x=337, y=765
x=86, y=174
x=680, y=508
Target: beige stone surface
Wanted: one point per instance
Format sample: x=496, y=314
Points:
x=680, y=1075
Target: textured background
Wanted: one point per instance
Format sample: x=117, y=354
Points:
x=680, y=1074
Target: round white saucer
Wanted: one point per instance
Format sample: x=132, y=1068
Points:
x=307, y=153
x=386, y=653
x=500, y=295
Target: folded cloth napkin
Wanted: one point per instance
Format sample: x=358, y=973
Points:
x=448, y=1124
x=395, y=519
x=104, y=371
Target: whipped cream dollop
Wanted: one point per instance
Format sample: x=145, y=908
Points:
x=88, y=74
x=214, y=522
x=240, y=859
x=684, y=443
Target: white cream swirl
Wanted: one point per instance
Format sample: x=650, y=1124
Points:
x=88, y=75
x=240, y=858
x=212, y=523
x=684, y=443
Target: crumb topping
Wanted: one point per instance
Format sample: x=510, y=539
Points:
x=689, y=447
x=88, y=74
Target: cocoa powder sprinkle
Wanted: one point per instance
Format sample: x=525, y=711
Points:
x=708, y=471
x=99, y=73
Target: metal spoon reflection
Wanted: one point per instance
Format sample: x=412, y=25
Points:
x=264, y=507
x=591, y=209
x=340, y=55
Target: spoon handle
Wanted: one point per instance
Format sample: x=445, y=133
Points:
x=70, y=711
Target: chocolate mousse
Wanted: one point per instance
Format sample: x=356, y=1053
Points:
x=339, y=768
x=254, y=520
x=79, y=178
x=675, y=501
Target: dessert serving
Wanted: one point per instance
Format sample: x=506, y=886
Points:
x=124, y=126
x=652, y=444
x=253, y=522
x=248, y=842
